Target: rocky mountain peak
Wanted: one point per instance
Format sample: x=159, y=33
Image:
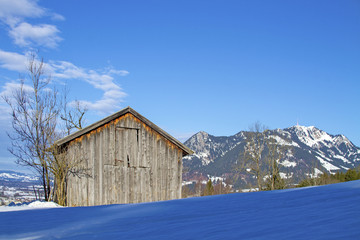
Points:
x=199, y=141
x=308, y=148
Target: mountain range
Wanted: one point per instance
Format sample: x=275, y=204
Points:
x=10, y=178
x=16, y=186
x=309, y=152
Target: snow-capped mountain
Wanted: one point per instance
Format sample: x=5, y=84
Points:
x=11, y=176
x=309, y=150
x=16, y=186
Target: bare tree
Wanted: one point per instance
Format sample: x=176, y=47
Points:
x=253, y=153
x=222, y=187
x=198, y=188
x=73, y=117
x=36, y=114
x=260, y=159
x=274, y=155
x=209, y=189
x=186, y=192
x=34, y=119
x=62, y=167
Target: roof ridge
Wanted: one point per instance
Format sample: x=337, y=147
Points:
x=115, y=115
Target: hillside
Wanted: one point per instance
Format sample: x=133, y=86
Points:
x=325, y=212
x=15, y=186
x=309, y=150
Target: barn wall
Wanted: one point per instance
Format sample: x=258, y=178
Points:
x=126, y=162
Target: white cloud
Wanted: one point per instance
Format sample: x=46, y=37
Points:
x=10, y=87
x=57, y=17
x=104, y=80
x=13, y=13
x=118, y=72
x=13, y=61
x=25, y=34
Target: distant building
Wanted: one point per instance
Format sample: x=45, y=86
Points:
x=129, y=160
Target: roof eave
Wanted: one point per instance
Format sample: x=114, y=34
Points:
x=69, y=138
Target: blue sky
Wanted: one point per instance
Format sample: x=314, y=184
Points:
x=216, y=66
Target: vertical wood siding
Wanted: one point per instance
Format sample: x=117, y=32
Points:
x=127, y=162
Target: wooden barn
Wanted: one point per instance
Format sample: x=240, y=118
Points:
x=128, y=160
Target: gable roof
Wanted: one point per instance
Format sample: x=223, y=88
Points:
x=118, y=114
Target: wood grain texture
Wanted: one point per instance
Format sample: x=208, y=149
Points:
x=128, y=162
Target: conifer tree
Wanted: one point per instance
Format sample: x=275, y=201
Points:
x=350, y=175
x=275, y=182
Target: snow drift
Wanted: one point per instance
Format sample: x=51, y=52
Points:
x=326, y=212
x=28, y=206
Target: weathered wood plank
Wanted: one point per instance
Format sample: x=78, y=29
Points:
x=125, y=184
x=106, y=168
x=152, y=173
x=97, y=171
x=93, y=171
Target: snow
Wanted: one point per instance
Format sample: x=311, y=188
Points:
x=32, y=205
x=342, y=158
x=184, y=183
x=328, y=166
x=346, y=168
x=204, y=156
x=321, y=153
x=313, y=137
x=215, y=179
x=325, y=212
x=246, y=190
x=282, y=175
x=287, y=163
x=315, y=174
x=7, y=175
x=286, y=175
x=342, y=139
x=283, y=142
x=15, y=176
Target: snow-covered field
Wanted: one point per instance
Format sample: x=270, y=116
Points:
x=326, y=212
x=32, y=205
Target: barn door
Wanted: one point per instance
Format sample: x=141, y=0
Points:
x=127, y=147
x=134, y=176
